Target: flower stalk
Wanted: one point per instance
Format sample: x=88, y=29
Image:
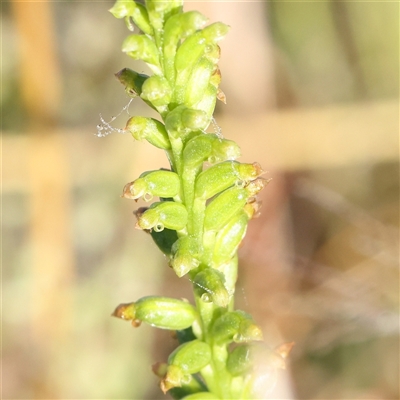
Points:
x=203, y=210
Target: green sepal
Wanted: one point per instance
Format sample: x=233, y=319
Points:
x=157, y=91
x=141, y=47
x=235, y=326
x=149, y=129
x=185, y=255
x=229, y=238
x=223, y=175
x=161, y=183
x=209, y=284
x=132, y=80
x=163, y=214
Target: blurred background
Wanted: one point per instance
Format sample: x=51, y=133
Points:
x=312, y=91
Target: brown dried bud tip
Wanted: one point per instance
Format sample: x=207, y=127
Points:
x=284, y=349
x=159, y=369
x=125, y=311
x=221, y=96
x=126, y=191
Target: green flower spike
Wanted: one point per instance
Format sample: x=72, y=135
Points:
x=202, y=203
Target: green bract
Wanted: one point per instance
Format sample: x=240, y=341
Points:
x=202, y=203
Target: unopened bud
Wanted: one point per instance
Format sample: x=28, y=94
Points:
x=161, y=312
x=134, y=10
x=229, y=238
x=215, y=32
x=141, y=47
x=235, y=326
x=132, y=80
x=150, y=129
x=223, y=175
x=157, y=91
x=159, y=183
x=210, y=282
x=164, y=214
x=224, y=207
x=185, y=255
x=191, y=356
x=198, y=81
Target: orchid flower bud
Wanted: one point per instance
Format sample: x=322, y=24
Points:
x=215, y=32
x=208, y=101
x=160, y=10
x=223, y=175
x=197, y=150
x=159, y=183
x=213, y=54
x=209, y=283
x=236, y=326
x=229, y=238
x=239, y=360
x=177, y=28
x=189, y=358
x=182, y=120
x=163, y=214
x=157, y=91
x=198, y=81
x=229, y=203
x=161, y=312
x=141, y=47
x=209, y=147
x=223, y=150
x=150, y=129
x=224, y=207
x=185, y=255
x=187, y=55
x=134, y=10
x=132, y=80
